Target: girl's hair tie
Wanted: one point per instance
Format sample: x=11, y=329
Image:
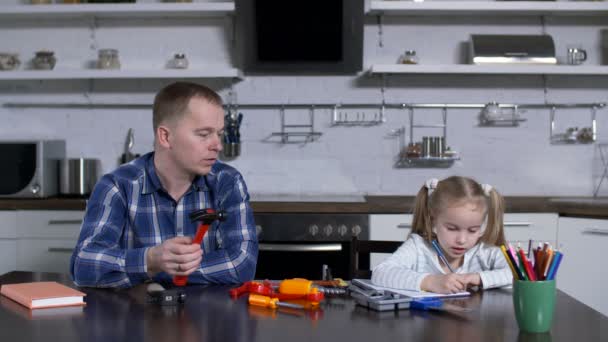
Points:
x=431, y=185
x=487, y=188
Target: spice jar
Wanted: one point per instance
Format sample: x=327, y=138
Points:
x=108, y=59
x=409, y=57
x=179, y=61
x=44, y=60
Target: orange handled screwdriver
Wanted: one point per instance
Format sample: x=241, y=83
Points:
x=207, y=217
x=273, y=303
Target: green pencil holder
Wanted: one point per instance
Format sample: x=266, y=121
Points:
x=534, y=304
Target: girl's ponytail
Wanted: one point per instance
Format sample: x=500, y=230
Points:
x=421, y=223
x=494, y=233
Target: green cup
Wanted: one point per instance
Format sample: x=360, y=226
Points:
x=534, y=304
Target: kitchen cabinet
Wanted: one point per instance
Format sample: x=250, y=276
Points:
x=388, y=227
x=496, y=9
x=519, y=228
x=46, y=239
x=8, y=241
x=582, y=273
x=96, y=25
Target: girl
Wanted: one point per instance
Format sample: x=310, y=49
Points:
x=465, y=221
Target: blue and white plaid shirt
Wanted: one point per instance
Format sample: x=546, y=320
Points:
x=129, y=212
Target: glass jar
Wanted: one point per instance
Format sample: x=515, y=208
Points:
x=179, y=61
x=108, y=59
x=44, y=60
x=409, y=57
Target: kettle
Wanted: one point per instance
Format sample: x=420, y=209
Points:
x=78, y=176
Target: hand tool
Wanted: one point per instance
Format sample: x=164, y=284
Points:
x=300, y=286
x=159, y=295
x=273, y=303
x=206, y=216
x=313, y=296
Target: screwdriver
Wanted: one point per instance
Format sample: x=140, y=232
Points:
x=273, y=303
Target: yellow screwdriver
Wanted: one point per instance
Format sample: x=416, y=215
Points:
x=265, y=301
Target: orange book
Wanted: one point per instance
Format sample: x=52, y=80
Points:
x=48, y=294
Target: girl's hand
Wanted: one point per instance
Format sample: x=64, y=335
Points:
x=444, y=283
x=472, y=279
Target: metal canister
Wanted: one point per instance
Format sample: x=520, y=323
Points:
x=440, y=146
x=426, y=147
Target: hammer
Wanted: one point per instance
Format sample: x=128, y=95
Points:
x=206, y=217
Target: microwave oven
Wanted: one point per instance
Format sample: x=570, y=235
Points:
x=30, y=168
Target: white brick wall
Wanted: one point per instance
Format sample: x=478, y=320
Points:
x=345, y=161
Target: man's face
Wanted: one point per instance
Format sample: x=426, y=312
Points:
x=196, y=138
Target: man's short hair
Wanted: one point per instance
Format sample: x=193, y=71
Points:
x=171, y=102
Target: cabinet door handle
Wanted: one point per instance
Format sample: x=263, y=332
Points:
x=404, y=225
x=58, y=222
x=517, y=224
x=60, y=250
x=595, y=231
x=286, y=247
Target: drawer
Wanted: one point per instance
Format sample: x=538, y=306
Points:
x=56, y=224
x=8, y=255
x=538, y=227
x=389, y=227
x=393, y=227
x=580, y=274
x=8, y=224
x=45, y=255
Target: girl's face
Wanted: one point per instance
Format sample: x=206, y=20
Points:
x=458, y=228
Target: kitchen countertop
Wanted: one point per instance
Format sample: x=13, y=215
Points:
x=566, y=206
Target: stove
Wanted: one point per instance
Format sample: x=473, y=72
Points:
x=302, y=245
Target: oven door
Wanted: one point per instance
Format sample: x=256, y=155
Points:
x=284, y=260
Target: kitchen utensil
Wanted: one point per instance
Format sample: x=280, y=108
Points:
x=44, y=60
x=9, y=61
x=179, y=61
x=78, y=176
x=128, y=154
x=409, y=57
x=576, y=55
x=108, y=59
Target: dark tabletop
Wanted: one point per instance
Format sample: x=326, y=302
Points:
x=210, y=315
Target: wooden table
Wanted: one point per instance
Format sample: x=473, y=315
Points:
x=210, y=315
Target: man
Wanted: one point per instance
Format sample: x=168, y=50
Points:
x=136, y=225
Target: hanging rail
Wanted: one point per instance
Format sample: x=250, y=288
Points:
x=317, y=105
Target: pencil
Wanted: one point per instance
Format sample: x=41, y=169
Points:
x=510, y=262
x=526, y=266
x=547, y=262
x=557, y=259
x=441, y=256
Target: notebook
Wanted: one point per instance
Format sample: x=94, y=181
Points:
x=366, y=283
x=61, y=312
x=40, y=295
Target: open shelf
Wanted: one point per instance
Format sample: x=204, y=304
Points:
x=474, y=8
x=496, y=69
x=59, y=74
x=117, y=10
x=426, y=162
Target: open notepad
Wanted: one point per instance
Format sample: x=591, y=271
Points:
x=366, y=283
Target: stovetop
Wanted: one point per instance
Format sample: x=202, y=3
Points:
x=287, y=227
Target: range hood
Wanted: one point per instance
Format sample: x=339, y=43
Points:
x=512, y=49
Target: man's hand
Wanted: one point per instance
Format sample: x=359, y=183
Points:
x=177, y=256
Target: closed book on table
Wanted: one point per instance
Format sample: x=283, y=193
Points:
x=40, y=295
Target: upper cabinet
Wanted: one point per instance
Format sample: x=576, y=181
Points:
x=445, y=23
x=146, y=37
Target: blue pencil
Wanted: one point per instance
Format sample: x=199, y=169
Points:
x=557, y=259
x=441, y=256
